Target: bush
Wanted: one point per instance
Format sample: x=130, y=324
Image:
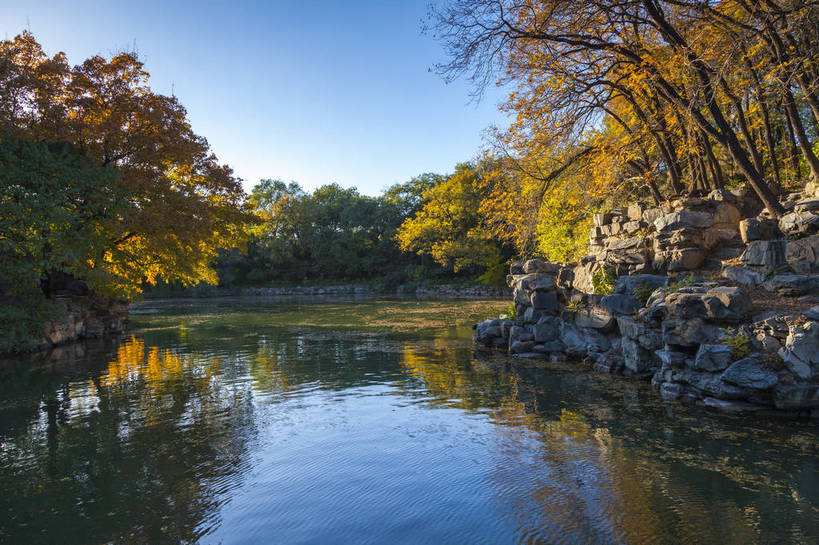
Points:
x=603, y=281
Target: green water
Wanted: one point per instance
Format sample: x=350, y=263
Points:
x=319, y=421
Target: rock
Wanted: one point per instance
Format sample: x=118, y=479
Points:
x=670, y=391
x=521, y=347
x=601, y=219
x=713, y=357
x=672, y=358
x=793, y=284
x=688, y=332
x=714, y=237
x=583, y=341
x=749, y=373
x=727, y=303
x=683, y=218
x=515, y=268
x=651, y=215
x=545, y=301
x=596, y=317
x=626, y=243
x=583, y=274
x=533, y=282
x=807, y=205
x=801, y=351
x=619, y=303
x=627, y=284
x=726, y=216
x=635, y=211
x=803, y=255
x=812, y=313
x=769, y=254
x=540, y=266
x=742, y=275
x=531, y=315
x=547, y=329
x=637, y=359
x=610, y=363
x=796, y=397
x=799, y=223
x=518, y=333
x=645, y=336
x=565, y=278
x=758, y=229
x=683, y=259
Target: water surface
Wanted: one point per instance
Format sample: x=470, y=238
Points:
x=363, y=421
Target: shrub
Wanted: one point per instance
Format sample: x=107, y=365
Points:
x=603, y=281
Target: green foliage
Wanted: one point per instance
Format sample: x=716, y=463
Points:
x=643, y=291
x=603, y=281
x=511, y=312
x=682, y=282
x=22, y=320
x=738, y=341
x=57, y=212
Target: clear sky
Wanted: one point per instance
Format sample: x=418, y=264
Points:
x=311, y=91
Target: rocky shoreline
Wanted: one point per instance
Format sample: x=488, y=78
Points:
x=707, y=297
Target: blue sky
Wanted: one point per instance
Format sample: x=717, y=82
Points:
x=311, y=91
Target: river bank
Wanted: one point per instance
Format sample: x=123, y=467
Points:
x=708, y=298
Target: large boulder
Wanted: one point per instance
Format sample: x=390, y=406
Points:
x=595, y=317
x=769, y=254
x=793, y=284
x=626, y=285
x=688, y=332
x=729, y=304
x=547, y=329
x=799, y=223
x=682, y=219
x=750, y=373
x=758, y=229
x=742, y=275
x=540, y=266
x=638, y=331
x=803, y=255
x=582, y=341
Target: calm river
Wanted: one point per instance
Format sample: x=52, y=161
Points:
x=242, y=421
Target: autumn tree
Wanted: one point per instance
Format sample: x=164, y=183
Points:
x=182, y=203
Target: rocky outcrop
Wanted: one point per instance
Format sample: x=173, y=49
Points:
x=697, y=340
x=85, y=317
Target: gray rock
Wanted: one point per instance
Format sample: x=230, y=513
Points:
x=801, y=350
x=518, y=333
x=749, y=373
x=726, y=216
x=759, y=229
x=547, y=329
x=812, y=313
x=713, y=357
x=545, y=301
x=681, y=259
x=583, y=341
x=626, y=243
x=627, y=284
x=637, y=359
x=620, y=304
x=742, y=275
x=796, y=397
x=521, y=347
x=516, y=268
x=727, y=303
x=683, y=218
x=533, y=282
x=803, y=255
x=647, y=337
x=793, y=284
x=672, y=358
x=670, y=391
x=531, y=315
x=765, y=253
x=540, y=266
x=799, y=223
x=609, y=363
x=688, y=332
x=807, y=205
x=730, y=406
x=596, y=317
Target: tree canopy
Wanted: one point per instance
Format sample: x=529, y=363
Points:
x=180, y=203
